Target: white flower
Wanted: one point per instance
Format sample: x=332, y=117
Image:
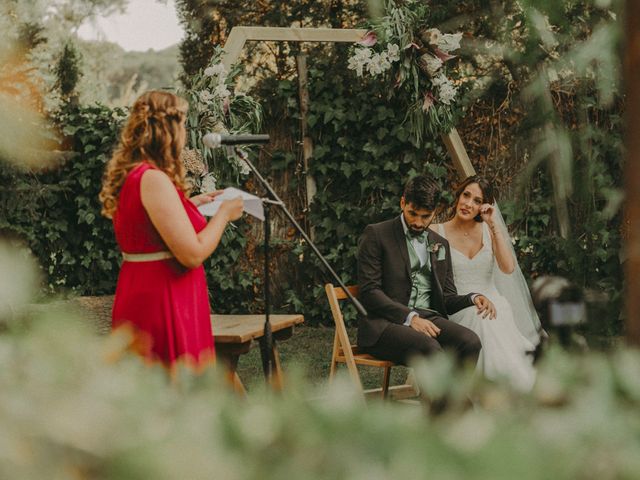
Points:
x=205, y=96
x=222, y=91
x=363, y=53
x=383, y=61
x=446, y=90
x=355, y=64
x=359, y=60
x=431, y=63
x=378, y=63
x=217, y=69
x=447, y=93
x=374, y=66
x=449, y=42
x=208, y=183
x=375, y=63
x=439, y=80
x=393, y=52
x=242, y=165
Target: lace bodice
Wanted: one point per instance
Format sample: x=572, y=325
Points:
x=473, y=274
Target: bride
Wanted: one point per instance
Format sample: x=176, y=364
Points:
x=484, y=262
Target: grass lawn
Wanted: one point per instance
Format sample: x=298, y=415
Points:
x=310, y=348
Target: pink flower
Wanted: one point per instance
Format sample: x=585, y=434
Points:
x=369, y=39
x=429, y=100
x=225, y=105
x=443, y=55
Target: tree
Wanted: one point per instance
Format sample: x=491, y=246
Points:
x=207, y=23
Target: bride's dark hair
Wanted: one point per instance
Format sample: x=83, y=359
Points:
x=485, y=187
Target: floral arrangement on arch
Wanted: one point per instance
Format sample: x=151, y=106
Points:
x=402, y=46
x=216, y=106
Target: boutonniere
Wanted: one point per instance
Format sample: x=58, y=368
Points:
x=438, y=249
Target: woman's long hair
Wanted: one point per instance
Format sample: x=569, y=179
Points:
x=485, y=186
x=153, y=133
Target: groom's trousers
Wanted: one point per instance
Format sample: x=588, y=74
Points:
x=400, y=343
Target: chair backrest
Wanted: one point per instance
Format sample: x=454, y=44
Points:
x=353, y=289
x=341, y=341
x=334, y=294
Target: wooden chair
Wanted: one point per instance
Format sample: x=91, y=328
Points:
x=343, y=351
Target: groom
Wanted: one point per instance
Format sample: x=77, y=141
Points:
x=406, y=284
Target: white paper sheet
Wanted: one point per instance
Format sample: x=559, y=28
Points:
x=252, y=204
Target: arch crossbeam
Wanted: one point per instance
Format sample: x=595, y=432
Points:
x=239, y=36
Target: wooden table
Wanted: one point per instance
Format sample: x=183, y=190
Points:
x=234, y=335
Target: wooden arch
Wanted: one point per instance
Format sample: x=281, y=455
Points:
x=240, y=35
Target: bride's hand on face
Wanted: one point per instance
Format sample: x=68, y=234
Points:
x=487, y=212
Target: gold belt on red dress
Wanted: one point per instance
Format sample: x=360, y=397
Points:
x=146, y=257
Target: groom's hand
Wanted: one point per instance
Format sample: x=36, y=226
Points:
x=425, y=326
x=485, y=307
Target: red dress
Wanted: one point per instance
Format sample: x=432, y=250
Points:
x=166, y=303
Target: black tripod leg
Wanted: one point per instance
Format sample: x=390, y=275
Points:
x=266, y=341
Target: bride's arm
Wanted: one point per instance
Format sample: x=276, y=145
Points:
x=502, y=252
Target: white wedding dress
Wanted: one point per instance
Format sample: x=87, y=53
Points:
x=503, y=355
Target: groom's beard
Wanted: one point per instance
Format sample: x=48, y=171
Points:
x=415, y=230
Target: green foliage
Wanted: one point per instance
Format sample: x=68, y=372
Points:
x=116, y=77
x=30, y=35
x=214, y=106
x=409, y=27
x=68, y=70
x=591, y=259
x=57, y=211
x=197, y=47
x=361, y=158
x=363, y=154
x=565, y=211
x=207, y=24
x=553, y=67
x=76, y=404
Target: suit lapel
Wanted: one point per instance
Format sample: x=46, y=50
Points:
x=401, y=244
x=436, y=267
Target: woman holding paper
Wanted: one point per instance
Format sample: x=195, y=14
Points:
x=161, y=291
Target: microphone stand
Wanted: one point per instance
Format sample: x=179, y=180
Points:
x=266, y=341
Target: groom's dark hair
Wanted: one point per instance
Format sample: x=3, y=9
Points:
x=423, y=192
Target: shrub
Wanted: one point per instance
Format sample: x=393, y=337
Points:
x=72, y=405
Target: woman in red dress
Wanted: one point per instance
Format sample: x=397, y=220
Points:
x=161, y=291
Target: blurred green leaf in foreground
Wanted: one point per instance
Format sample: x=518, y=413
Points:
x=74, y=405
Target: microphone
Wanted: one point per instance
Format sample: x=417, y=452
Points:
x=215, y=140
